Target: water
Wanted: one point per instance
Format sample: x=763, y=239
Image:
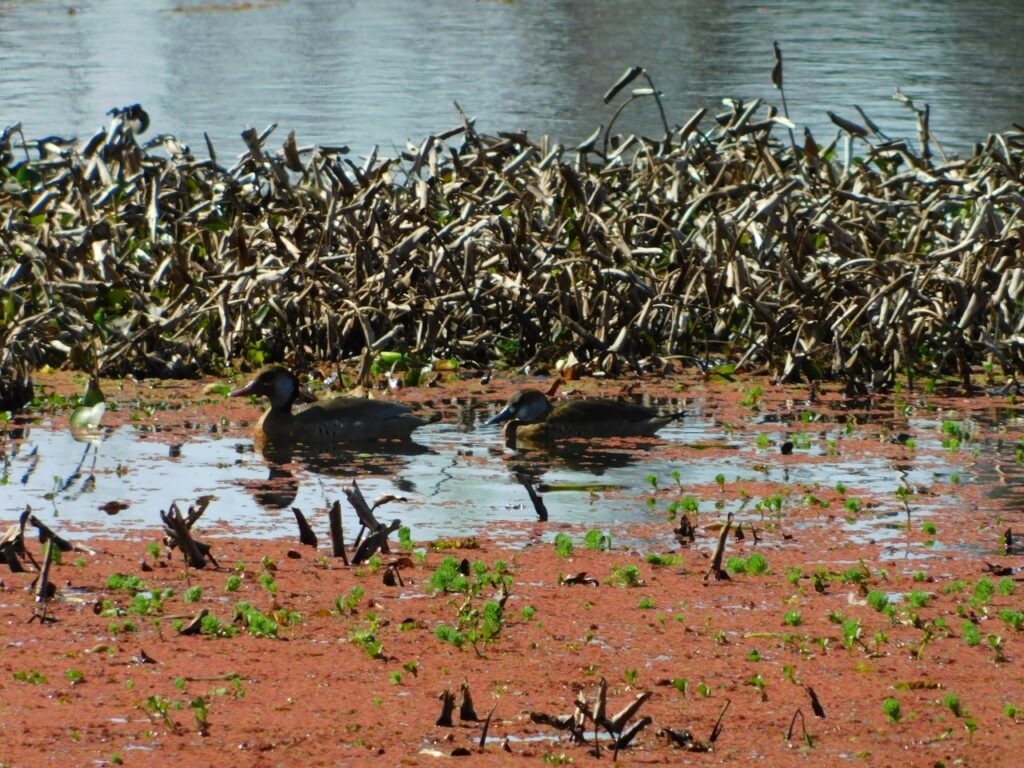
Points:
x=368, y=72
x=457, y=479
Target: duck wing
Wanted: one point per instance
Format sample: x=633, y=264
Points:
x=592, y=410
x=354, y=409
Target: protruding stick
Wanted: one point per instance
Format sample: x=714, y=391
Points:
x=306, y=534
x=716, y=561
x=337, y=535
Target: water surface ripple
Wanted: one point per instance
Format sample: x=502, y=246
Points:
x=366, y=72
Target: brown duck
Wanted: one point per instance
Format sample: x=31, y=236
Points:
x=532, y=418
x=324, y=423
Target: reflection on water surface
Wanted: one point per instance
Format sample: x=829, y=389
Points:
x=457, y=478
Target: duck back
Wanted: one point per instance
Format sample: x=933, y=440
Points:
x=340, y=420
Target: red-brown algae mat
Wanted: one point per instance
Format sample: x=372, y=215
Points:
x=827, y=645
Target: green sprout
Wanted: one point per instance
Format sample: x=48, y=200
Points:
x=891, y=707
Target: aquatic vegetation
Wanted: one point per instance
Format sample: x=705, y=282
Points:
x=878, y=600
x=754, y=564
x=597, y=540
x=164, y=263
x=211, y=626
x=349, y=603
x=126, y=582
x=971, y=633
x=31, y=676
x=447, y=577
x=891, y=707
x=654, y=558
x=563, y=545
x=255, y=621
x=626, y=576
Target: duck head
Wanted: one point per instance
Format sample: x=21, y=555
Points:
x=279, y=385
x=527, y=406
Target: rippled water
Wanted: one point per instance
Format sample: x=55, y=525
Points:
x=366, y=72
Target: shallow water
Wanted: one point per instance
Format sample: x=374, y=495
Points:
x=366, y=72
x=458, y=479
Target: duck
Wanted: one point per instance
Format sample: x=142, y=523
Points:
x=532, y=418
x=323, y=423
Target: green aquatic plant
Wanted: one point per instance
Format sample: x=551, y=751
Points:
x=736, y=565
x=892, y=710
x=952, y=702
x=211, y=626
x=255, y=621
x=447, y=577
x=626, y=576
x=878, y=600
x=654, y=558
x=971, y=634
x=851, y=633
x=350, y=602
x=597, y=540
x=983, y=591
x=31, y=676
x=757, y=564
x=563, y=545
x=918, y=599
x=126, y=582
x=758, y=682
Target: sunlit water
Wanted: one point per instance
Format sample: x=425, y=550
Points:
x=459, y=479
x=366, y=72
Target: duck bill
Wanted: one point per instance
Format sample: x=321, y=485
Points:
x=500, y=416
x=248, y=389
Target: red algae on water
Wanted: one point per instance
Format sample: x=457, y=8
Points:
x=830, y=645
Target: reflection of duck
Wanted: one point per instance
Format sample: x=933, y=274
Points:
x=533, y=419
x=325, y=422
x=574, y=456
x=278, y=491
x=290, y=465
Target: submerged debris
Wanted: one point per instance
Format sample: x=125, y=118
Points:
x=178, y=533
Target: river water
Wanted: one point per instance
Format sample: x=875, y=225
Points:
x=384, y=72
